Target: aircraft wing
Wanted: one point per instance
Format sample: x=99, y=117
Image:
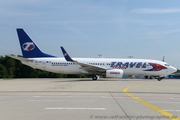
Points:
x=90, y=68
x=19, y=58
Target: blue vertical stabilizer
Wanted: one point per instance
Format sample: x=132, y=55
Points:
x=28, y=47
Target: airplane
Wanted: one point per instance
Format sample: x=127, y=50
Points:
x=106, y=67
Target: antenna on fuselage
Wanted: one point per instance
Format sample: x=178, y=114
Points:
x=130, y=57
x=99, y=55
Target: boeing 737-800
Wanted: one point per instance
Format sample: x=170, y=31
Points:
x=108, y=67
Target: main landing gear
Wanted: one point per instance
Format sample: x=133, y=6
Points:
x=95, y=77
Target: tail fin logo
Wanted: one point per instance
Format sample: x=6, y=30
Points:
x=28, y=46
x=65, y=54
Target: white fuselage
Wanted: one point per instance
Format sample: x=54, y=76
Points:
x=129, y=66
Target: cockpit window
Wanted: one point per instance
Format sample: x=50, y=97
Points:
x=166, y=65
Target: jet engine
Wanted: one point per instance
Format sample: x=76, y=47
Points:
x=114, y=73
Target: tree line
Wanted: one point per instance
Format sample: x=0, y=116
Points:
x=11, y=68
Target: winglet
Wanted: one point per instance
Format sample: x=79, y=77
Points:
x=66, y=56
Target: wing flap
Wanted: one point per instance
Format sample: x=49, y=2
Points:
x=89, y=67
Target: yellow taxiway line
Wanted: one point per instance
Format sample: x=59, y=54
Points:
x=157, y=109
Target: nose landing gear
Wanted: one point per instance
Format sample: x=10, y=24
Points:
x=160, y=78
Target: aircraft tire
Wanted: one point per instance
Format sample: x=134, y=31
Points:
x=94, y=78
x=160, y=78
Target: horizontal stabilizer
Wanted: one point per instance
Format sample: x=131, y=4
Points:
x=19, y=58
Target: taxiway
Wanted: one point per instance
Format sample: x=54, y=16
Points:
x=82, y=99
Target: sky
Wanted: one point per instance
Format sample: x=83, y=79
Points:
x=148, y=29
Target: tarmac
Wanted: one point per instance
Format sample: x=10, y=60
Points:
x=84, y=99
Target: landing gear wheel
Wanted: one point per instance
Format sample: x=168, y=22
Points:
x=94, y=78
x=146, y=77
x=160, y=78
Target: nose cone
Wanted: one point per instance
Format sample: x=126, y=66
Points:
x=172, y=69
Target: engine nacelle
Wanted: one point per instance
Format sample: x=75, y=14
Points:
x=114, y=73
